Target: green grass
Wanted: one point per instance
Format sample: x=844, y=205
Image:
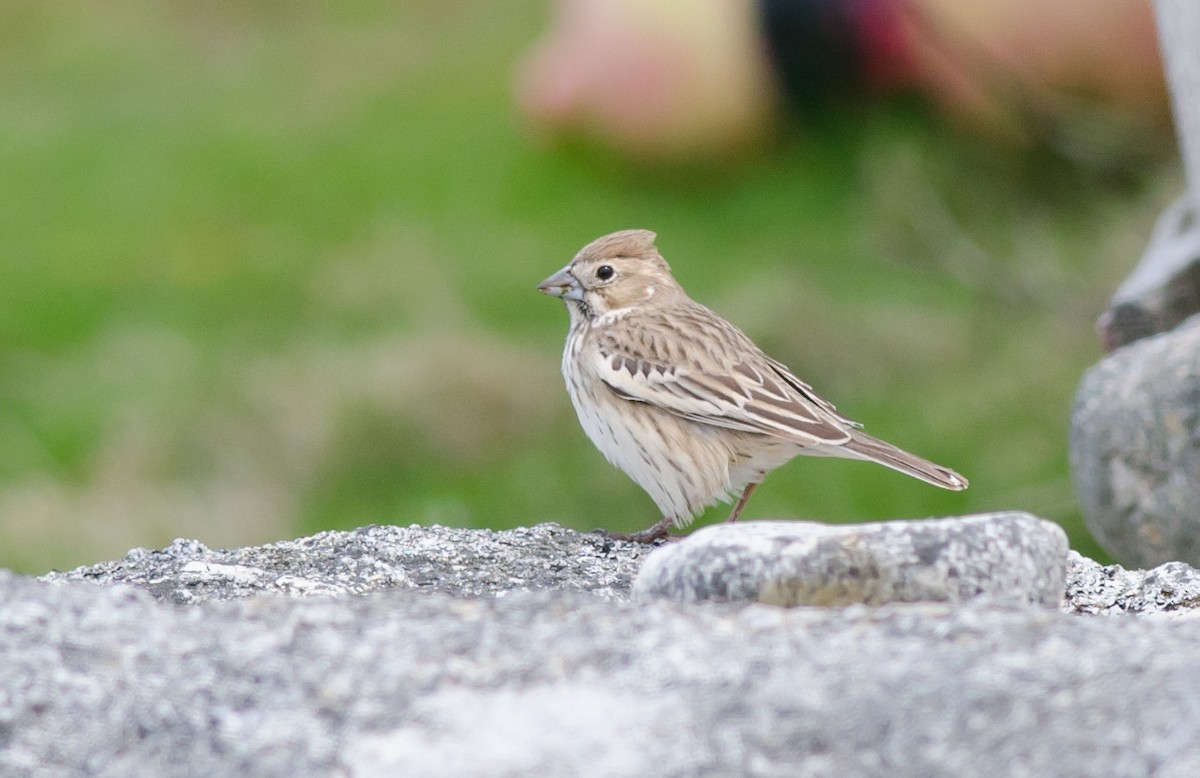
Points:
x=269, y=269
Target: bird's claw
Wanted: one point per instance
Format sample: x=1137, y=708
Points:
x=649, y=536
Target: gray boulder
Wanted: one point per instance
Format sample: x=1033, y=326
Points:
x=1135, y=449
x=437, y=652
x=1010, y=556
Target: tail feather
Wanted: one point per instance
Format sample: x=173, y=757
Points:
x=866, y=447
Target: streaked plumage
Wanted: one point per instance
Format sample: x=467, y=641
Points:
x=680, y=399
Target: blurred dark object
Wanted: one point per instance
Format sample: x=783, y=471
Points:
x=665, y=80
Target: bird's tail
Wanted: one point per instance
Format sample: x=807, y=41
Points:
x=866, y=447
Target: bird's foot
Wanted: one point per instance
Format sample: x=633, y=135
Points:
x=649, y=536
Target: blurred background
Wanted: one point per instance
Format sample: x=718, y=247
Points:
x=269, y=268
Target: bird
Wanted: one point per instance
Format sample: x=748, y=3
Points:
x=680, y=399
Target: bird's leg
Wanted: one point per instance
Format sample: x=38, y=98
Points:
x=660, y=531
x=741, y=503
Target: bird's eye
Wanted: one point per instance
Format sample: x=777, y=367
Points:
x=604, y=272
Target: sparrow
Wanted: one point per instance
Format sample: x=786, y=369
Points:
x=680, y=399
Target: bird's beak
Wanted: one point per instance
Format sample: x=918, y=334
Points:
x=562, y=284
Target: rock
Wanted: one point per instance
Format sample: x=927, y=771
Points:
x=1164, y=289
x=1135, y=449
x=461, y=562
x=1009, y=556
x=1173, y=588
x=477, y=653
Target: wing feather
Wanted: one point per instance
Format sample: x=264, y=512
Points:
x=722, y=380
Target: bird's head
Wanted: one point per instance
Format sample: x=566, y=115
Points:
x=613, y=274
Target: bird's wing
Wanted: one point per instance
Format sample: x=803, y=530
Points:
x=716, y=376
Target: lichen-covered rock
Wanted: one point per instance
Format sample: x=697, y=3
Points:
x=1135, y=449
x=453, y=561
x=1171, y=589
x=1009, y=556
